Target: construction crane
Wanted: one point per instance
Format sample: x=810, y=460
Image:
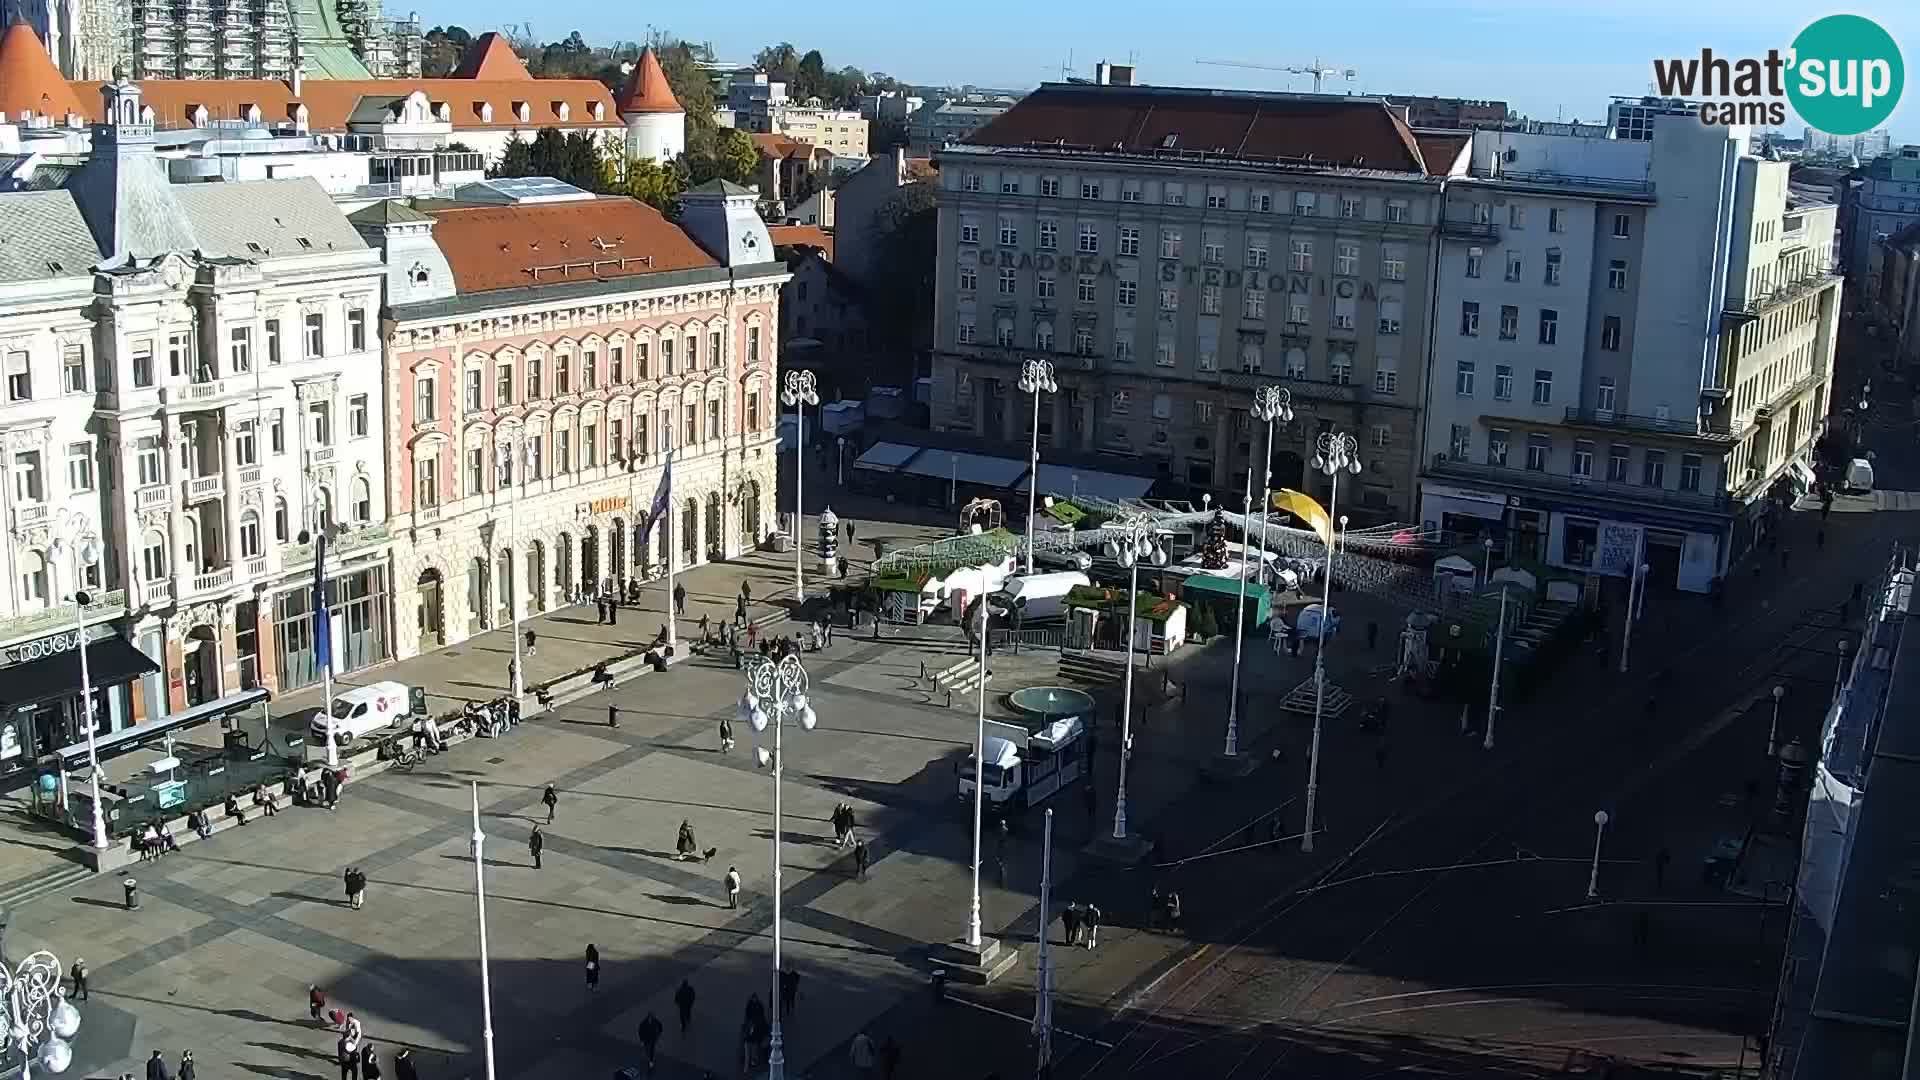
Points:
x=1318, y=71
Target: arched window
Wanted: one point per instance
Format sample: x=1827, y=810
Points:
x=362, y=500
x=33, y=580
x=282, y=522
x=323, y=508
x=153, y=555
x=250, y=534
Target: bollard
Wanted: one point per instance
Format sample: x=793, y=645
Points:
x=939, y=983
x=132, y=888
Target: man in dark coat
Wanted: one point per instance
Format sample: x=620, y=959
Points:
x=650, y=1029
x=536, y=842
x=679, y=599
x=157, y=1068
x=683, y=1001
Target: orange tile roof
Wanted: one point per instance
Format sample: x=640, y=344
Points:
x=499, y=247
x=781, y=146
x=647, y=89
x=1440, y=149
x=802, y=236
x=330, y=102
x=28, y=80
x=492, y=58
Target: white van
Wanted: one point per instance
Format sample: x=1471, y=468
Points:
x=1859, y=476
x=1043, y=596
x=360, y=712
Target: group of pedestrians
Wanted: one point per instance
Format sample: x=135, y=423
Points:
x=1082, y=924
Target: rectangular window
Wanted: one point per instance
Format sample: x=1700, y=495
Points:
x=1653, y=469
x=1163, y=353
x=1617, y=463
x=969, y=231
x=1213, y=246
x=963, y=330
x=1253, y=304
x=319, y=424
x=589, y=445
x=1386, y=377
x=1009, y=233
x=1474, y=257
x=357, y=420
x=1300, y=255
x=536, y=380
x=1209, y=299
x=73, y=369
x=1509, y=322
x=316, y=335
x=1622, y=226
x=1129, y=239
x=1009, y=281
x=1049, y=234
x=1173, y=194
x=753, y=344
x=1009, y=184
x=79, y=467
x=1539, y=450
x=1503, y=382
x=1340, y=369
x=503, y=386
x=426, y=483
x=143, y=363
x=563, y=452
x=1610, y=333
x=277, y=433
x=476, y=471
x=1397, y=210
x=1170, y=243
x=1556, y=220
x=1583, y=458
x=1297, y=312
x=590, y=363
x=1349, y=207
x=1603, y=398
x=1463, y=378
x=1690, y=466
x=1043, y=336
x=29, y=483
x=1516, y=216
x=1043, y=287
x=616, y=439
x=616, y=365
x=1617, y=274
x=1256, y=251
x=1305, y=203
x=357, y=329
x=148, y=464
x=1346, y=259
x=246, y=449
x=689, y=425
x=713, y=419
x=1469, y=318
x=971, y=181
x=1087, y=292
x=563, y=366
x=475, y=383
x=1123, y=345
x=19, y=377
x=179, y=354
x=1126, y=291
x=1050, y=187
x=1482, y=213
x=273, y=342
x=1216, y=197
x=1170, y=298
x=1343, y=313
x=1460, y=443
x=1083, y=340
x=1089, y=240
x=1393, y=262
x=1260, y=201
x=1090, y=189
x=1542, y=386
x=1553, y=266
x=1381, y=436
x=1513, y=265
x=1130, y=191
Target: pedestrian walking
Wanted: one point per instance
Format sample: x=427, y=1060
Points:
x=78, y=973
x=613, y=716
x=316, y=1001
x=593, y=967
x=532, y=642
x=842, y=560
x=369, y=1064
x=1070, y=922
x=683, y=1001
x=849, y=532
x=345, y=1052
x=599, y=612
x=613, y=610
x=706, y=626
x=356, y=883
x=740, y=608
x=733, y=887
x=330, y=782
x=403, y=1068
x=536, y=843
x=551, y=798
x=726, y=736
x=861, y=1054
x=157, y=1068
x=187, y=1068
x=860, y=858
x=1093, y=926
x=789, y=989
x=650, y=1034
x=350, y=1027
x=746, y=591
x=889, y=1059
x=679, y=599
x=1088, y=797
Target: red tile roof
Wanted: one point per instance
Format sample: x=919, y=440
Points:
x=492, y=58
x=1440, y=149
x=812, y=236
x=781, y=146
x=330, y=101
x=29, y=83
x=647, y=89
x=500, y=247
x=1358, y=132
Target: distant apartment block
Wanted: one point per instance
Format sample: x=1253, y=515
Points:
x=760, y=105
x=1446, y=112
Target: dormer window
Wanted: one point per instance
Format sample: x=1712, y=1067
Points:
x=146, y=115
x=251, y=112
x=443, y=112
x=562, y=110
x=198, y=114
x=523, y=112
x=485, y=109
x=599, y=109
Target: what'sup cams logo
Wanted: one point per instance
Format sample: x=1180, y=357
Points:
x=1843, y=75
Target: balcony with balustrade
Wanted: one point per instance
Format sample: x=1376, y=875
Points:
x=1540, y=481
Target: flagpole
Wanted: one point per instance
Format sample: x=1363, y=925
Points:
x=666, y=495
x=323, y=637
x=1043, y=989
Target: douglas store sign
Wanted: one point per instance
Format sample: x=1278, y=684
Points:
x=1173, y=273
x=41, y=648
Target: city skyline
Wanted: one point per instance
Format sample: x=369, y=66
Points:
x=1461, y=47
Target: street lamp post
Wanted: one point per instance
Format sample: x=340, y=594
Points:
x=1136, y=543
x=1840, y=671
x=799, y=390
x=1637, y=583
x=840, y=446
x=1240, y=628
x=1487, y=567
x=1335, y=452
x=974, y=937
x=79, y=540
x=38, y=1019
x=479, y=841
x=1773, y=729
x=1036, y=378
x=1600, y=820
x=776, y=692
x=1499, y=648
x=1270, y=404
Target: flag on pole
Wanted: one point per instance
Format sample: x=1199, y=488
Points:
x=1307, y=509
x=323, y=622
x=662, y=497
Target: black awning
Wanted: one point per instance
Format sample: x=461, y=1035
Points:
x=110, y=662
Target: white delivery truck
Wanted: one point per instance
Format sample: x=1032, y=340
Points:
x=1859, y=477
x=360, y=712
x=1042, y=596
x=1026, y=767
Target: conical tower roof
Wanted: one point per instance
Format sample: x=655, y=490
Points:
x=28, y=80
x=647, y=90
x=492, y=58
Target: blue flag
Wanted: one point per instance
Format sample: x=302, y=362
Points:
x=323, y=622
x=662, y=497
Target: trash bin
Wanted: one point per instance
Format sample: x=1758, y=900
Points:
x=132, y=889
x=939, y=983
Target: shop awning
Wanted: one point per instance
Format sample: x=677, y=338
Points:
x=886, y=457
x=965, y=468
x=110, y=662
x=1111, y=486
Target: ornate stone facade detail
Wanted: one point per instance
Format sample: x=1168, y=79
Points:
x=318, y=389
x=186, y=618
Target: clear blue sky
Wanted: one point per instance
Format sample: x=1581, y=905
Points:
x=1544, y=57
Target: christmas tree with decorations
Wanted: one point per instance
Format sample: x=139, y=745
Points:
x=1213, y=553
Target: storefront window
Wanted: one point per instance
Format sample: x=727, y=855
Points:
x=360, y=620
x=1580, y=539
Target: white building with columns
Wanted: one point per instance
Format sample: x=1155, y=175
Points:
x=191, y=369
x=539, y=381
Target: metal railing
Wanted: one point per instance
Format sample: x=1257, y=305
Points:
x=1520, y=176
x=1632, y=421
x=61, y=615
x=1469, y=230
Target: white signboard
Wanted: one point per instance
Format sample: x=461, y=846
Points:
x=1619, y=547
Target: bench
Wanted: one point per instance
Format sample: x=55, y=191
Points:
x=946, y=677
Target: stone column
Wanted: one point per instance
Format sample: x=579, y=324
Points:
x=230, y=481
